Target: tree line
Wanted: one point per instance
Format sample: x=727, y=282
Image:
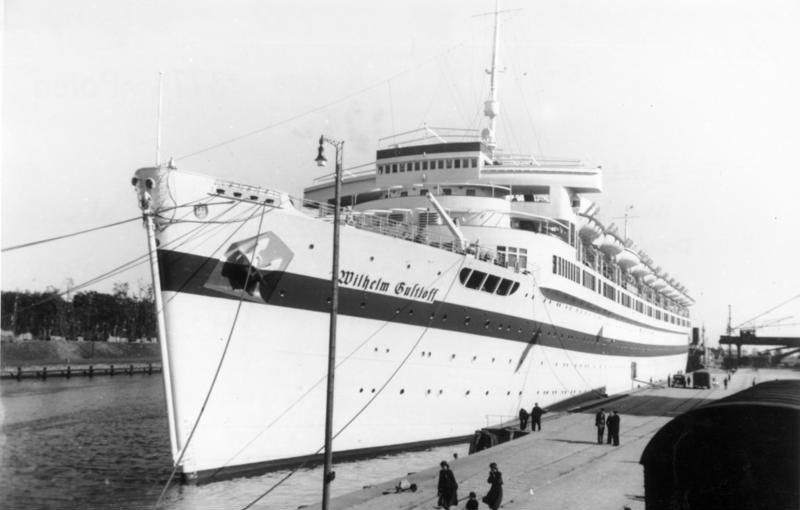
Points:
x=87, y=315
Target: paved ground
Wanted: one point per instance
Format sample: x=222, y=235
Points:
x=561, y=467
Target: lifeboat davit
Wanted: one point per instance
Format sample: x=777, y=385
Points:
x=610, y=245
x=627, y=258
x=590, y=229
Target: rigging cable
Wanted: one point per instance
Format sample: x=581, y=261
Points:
x=313, y=386
x=768, y=311
x=137, y=261
x=312, y=110
x=219, y=365
x=73, y=234
x=377, y=393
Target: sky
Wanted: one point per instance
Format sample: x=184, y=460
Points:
x=691, y=107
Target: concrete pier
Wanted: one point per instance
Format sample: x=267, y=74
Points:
x=562, y=466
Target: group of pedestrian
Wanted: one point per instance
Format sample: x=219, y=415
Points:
x=448, y=489
x=535, y=416
x=610, y=422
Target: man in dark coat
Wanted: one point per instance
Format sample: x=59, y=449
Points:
x=536, y=417
x=600, y=423
x=447, y=490
x=495, y=495
x=613, y=428
x=523, y=419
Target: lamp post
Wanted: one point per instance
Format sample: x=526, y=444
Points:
x=327, y=474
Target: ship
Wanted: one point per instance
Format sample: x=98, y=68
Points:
x=472, y=282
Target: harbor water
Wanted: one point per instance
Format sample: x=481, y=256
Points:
x=103, y=443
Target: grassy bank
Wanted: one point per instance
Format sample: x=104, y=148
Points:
x=60, y=352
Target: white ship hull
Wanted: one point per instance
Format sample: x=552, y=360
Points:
x=421, y=358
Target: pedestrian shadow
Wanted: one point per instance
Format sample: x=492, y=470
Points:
x=572, y=441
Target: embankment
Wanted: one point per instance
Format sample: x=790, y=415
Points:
x=63, y=352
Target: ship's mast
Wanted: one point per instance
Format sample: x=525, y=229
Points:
x=491, y=107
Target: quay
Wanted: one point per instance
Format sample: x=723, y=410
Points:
x=562, y=466
x=78, y=370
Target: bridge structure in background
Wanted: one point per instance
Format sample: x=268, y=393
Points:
x=749, y=337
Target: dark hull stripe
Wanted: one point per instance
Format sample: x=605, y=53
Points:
x=188, y=273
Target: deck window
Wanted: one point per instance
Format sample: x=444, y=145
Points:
x=490, y=284
x=447, y=191
x=416, y=165
x=394, y=168
x=476, y=279
x=470, y=192
x=457, y=163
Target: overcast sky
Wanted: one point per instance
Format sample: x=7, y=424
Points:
x=691, y=107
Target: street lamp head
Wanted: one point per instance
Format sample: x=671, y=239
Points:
x=321, y=159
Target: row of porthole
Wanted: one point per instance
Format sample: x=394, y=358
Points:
x=486, y=393
x=440, y=392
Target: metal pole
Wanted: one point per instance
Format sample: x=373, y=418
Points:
x=327, y=474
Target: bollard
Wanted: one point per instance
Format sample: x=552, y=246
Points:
x=44, y=373
x=111, y=370
x=130, y=370
x=69, y=372
x=91, y=371
x=149, y=369
x=19, y=373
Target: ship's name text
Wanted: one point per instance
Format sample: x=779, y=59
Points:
x=364, y=281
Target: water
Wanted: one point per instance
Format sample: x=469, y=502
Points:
x=102, y=443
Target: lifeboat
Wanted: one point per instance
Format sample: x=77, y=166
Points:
x=670, y=291
x=649, y=278
x=627, y=258
x=640, y=270
x=589, y=229
x=659, y=284
x=610, y=245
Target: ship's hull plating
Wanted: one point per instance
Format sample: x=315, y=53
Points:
x=420, y=357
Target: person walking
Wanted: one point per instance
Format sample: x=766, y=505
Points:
x=600, y=423
x=495, y=495
x=523, y=418
x=613, y=428
x=448, y=487
x=536, y=417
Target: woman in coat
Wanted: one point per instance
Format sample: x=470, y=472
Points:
x=448, y=487
x=495, y=495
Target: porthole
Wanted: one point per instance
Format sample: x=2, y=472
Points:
x=453, y=356
x=408, y=266
x=444, y=318
x=310, y=246
x=363, y=305
x=373, y=390
x=283, y=293
x=441, y=391
x=328, y=300
x=467, y=392
x=428, y=392
x=402, y=391
x=371, y=259
x=411, y=312
x=487, y=392
x=361, y=390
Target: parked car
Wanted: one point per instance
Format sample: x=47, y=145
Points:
x=678, y=381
